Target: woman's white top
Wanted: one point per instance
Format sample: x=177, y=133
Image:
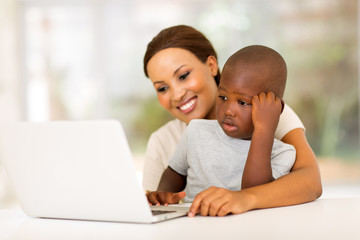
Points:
x=162, y=144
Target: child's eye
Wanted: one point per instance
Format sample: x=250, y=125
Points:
x=162, y=89
x=243, y=103
x=183, y=77
x=223, y=98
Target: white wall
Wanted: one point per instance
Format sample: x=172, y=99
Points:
x=9, y=83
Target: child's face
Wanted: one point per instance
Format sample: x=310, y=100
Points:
x=233, y=106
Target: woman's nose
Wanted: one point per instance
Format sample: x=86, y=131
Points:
x=178, y=93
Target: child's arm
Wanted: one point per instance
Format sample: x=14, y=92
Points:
x=172, y=181
x=266, y=110
x=169, y=190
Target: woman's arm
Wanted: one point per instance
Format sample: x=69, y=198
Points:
x=302, y=184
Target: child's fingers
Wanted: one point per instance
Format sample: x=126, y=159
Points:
x=262, y=96
x=165, y=198
x=265, y=96
x=173, y=198
x=162, y=196
x=152, y=198
x=178, y=196
x=270, y=95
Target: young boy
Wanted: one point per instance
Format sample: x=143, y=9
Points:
x=215, y=159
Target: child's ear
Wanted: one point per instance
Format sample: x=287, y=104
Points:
x=282, y=105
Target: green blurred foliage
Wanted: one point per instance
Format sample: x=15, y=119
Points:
x=319, y=41
x=150, y=117
x=323, y=76
x=140, y=117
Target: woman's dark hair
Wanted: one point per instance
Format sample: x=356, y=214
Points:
x=184, y=37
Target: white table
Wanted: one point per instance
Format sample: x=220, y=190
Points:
x=333, y=218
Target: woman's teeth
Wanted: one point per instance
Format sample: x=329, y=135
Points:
x=187, y=105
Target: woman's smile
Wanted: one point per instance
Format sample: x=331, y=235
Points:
x=188, y=106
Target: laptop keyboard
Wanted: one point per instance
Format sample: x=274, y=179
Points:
x=157, y=212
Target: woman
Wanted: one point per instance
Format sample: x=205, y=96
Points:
x=182, y=65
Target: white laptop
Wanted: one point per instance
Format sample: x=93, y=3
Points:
x=76, y=170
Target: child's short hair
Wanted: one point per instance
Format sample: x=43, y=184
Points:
x=264, y=60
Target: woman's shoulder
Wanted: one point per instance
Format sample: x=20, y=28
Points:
x=171, y=129
x=288, y=121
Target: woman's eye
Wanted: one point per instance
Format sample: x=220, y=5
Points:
x=243, y=103
x=162, y=89
x=182, y=77
x=223, y=98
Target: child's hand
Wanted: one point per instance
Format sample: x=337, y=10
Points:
x=164, y=198
x=266, y=110
x=216, y=201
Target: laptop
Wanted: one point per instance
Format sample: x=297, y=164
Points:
x=77, y=170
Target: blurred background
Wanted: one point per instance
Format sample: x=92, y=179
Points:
x=82, y=59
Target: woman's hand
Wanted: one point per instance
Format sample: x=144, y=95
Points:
x=216, y=201
x=164, y=198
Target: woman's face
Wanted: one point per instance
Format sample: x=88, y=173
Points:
x=185, y=86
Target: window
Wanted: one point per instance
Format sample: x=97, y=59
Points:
x=83, y=59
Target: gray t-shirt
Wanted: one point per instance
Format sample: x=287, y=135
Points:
x=209, y=157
